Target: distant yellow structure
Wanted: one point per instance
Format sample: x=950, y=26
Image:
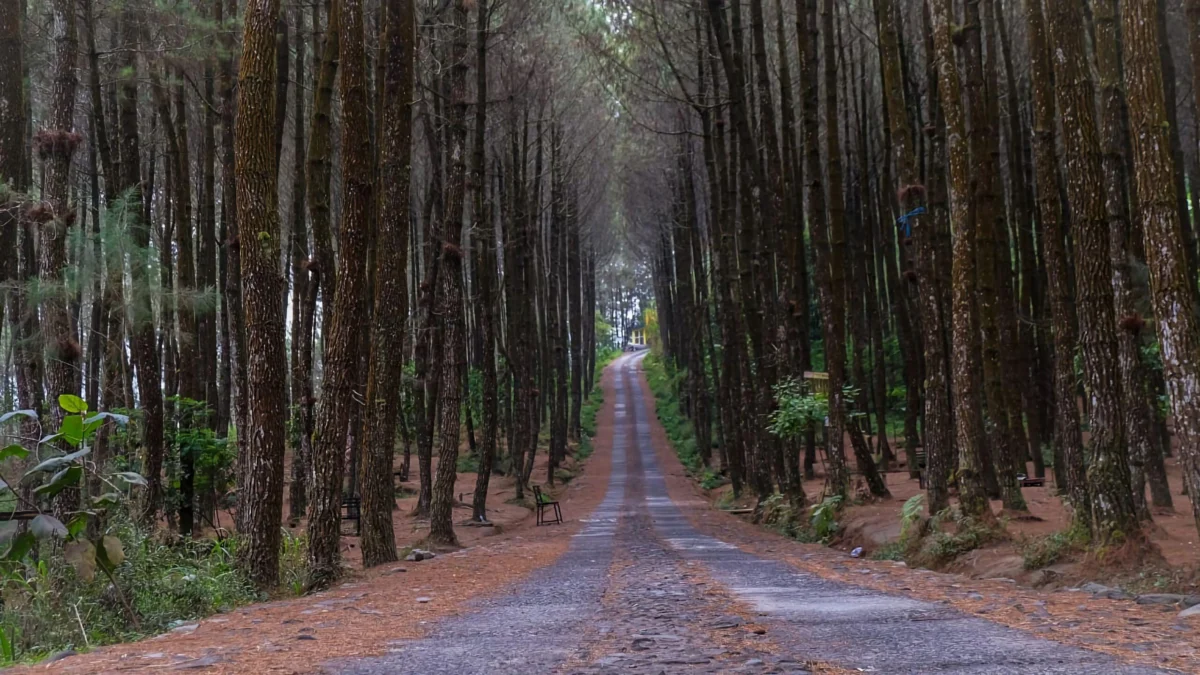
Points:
x=644, y=332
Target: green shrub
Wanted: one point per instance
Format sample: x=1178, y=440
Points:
x=468, y=462
x=664, y=384
x=1044, y=551
x=941, y=546
x=51, y=607
x=890, y=551
x=824, y=517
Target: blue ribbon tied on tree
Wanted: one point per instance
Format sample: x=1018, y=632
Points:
x=905, y=220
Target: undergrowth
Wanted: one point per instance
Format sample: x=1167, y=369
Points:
x=1039, y=552
x=664, y=385
x=48, y=607
x=943, y=544
x=592, y=405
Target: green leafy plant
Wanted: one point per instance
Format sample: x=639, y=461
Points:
x=910, y=513
x=59, y=471
x=824, y=517
x=797, y=410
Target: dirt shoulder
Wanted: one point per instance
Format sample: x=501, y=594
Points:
x=372, y=608
x=1144, y=634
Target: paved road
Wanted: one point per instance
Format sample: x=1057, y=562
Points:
x=642, y=591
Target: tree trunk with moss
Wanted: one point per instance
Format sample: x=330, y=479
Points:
x=261, y=498
x=1170, y=285
x=973, y=498
x=449, y=303
x=1112, y=509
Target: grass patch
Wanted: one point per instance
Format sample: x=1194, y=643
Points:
x=943, y=546
x=890, y=551
x=680, y=433
x=48, y=607
x=468, y=462
x=1039, y=552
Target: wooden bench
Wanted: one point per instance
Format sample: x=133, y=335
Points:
x=352, y=510
x=922, y=462
x=1032, y=481
x=543, y=503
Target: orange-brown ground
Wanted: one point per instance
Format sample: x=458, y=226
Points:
x=1136, y=633
x=874, y=524
x=373, y=607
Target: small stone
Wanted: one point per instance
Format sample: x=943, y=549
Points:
x=754, y=662
x=423, y=600
x=153, y=655
x=306, y=636
x=59, y=656
x=200, y=663
x=186, y=628
x=1093, y=587
x=760, y=631
x=397, y=570
x=1160, y=599
x=1192, y=612
x=642, y=644
x=974, y=596
x=727, y=622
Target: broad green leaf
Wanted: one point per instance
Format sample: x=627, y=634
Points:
x=77, y=525
x=61, y=481
x=6, y=646
x=13, y=451
x=81, y=555
x=45, y=526
x=72, y=404
x=15, y=413
x=110, y=553
x=20, y=547
x=52, y=464
x=72, y=429
x=107, y=499
x=56, y=463
x=116, y=417
x=132, y=477
x=49, y=438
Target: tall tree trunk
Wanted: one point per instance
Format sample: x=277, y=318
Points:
x=1112, y=509
x=16, y=268
x=441, y=526
x=341, y=349
x=301, y=344
x=261, y=498
x=484, y=226
x=968, y=416
x=391, y=286
x=939, y=431
x=55, y=145
x=988, y=220
x=1145, y=458
x=1069, y=474
x=1170, y=285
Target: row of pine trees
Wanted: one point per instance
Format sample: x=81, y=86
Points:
x=997, y=190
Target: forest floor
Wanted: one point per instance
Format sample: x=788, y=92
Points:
x=1173, y=565
x=646, y=576
x=372, y=607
